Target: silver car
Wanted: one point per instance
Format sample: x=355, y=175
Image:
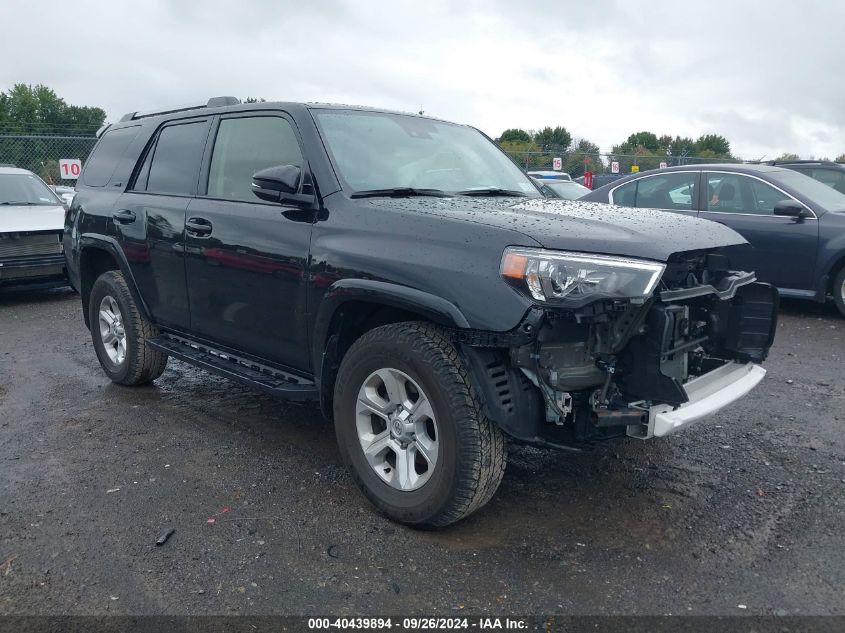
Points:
x=31, y=223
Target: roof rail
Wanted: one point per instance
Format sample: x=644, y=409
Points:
x=802, y=161
x=214, y=102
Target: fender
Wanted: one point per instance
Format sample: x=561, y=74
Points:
x=112, y=247
x=829, y=260
x=428, y=306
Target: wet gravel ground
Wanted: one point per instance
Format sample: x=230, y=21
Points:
x=743, y=509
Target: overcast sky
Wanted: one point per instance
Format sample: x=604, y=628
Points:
x=767, y=74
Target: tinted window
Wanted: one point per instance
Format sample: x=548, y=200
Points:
x=667, y=191
x=725, y=193
x=176, y=159
x=245, y=146
x=626, y=195
x=765, y=197
x=102, y=163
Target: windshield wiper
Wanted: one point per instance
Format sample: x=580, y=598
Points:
x=492, y=192
x=399, y=192
x=12, y=203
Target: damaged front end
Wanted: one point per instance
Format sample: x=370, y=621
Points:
x=623, y=347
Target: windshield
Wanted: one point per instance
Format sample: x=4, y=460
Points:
x=567, y=190
x=381, y=151
x=25, y=189
x=816, y=192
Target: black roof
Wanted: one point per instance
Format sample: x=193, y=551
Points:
x=224, y=103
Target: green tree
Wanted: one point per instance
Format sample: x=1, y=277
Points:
x=788, y=156
x=648, y=140
x=584, y=156
x=840, y=158
x=718, y=145
x=677, y=146
x=27, y=109
x=515, y=135
x=553, y=138
x=255, y=100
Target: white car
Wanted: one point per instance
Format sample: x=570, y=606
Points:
x=65, y=193
x=32, y=219
x=549, y=175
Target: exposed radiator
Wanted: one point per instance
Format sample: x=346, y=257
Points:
x=29, y=245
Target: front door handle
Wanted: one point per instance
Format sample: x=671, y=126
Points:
x=123, y=216
x=198, y=227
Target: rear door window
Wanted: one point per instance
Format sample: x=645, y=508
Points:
x=673, y=191
x=110, y=149
x=172, y=164
x=667, y=191
x=626, y=195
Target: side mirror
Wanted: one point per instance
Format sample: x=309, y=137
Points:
x=280, y=184
x=792, y=209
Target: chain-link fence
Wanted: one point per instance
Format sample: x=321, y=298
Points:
x=575, y=163
x=41, y=153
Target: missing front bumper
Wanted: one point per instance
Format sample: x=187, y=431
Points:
x=707, y=394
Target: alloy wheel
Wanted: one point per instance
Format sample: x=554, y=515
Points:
x=112, y=330
x=397, y=429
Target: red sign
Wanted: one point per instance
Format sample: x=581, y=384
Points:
x=588, y=179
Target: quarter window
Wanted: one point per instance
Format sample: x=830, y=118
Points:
x=109, y=151
x=245, y=146
x=175, y=163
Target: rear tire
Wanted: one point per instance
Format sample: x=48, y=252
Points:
x=839, y=291
x=120, y=333
x=457, y=455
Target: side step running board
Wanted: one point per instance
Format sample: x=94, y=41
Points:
x=272, y=380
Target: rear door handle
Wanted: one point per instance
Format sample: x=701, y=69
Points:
x=198, y=227
x=123, y=216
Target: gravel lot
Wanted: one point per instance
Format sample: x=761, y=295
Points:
x=742, y=514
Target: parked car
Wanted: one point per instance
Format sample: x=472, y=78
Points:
x=31, y=224
x=566, y=189
x=830, y=173
x=406, y=274
x=549, y=175
x=65, y=193
x=794, y=224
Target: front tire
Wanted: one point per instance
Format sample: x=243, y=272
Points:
x=839, y=291
x=120, y=333
x=411, y=429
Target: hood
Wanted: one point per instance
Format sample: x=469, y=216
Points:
x=20, y=219
x=574, y=225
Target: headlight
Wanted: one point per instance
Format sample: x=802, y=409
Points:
x=575, y=279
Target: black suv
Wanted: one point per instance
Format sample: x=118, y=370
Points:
x=404, y=273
